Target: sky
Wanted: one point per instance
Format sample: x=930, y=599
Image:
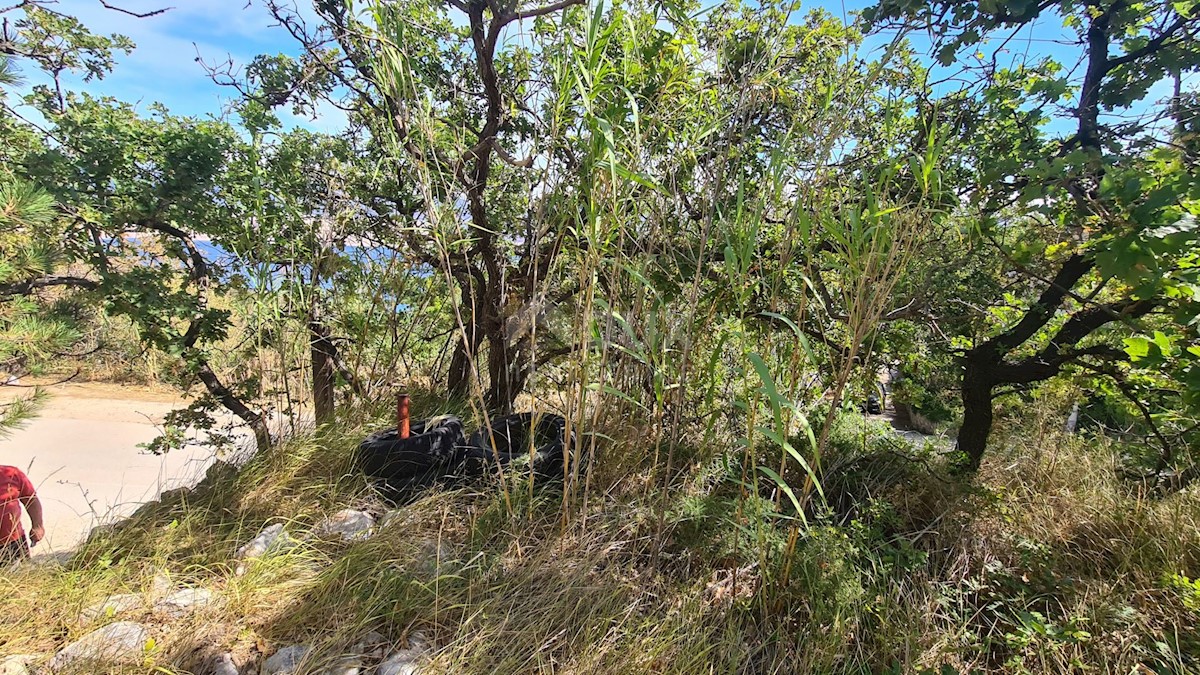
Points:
x=166, y=65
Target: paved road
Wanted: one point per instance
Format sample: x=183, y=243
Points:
x=81, y=453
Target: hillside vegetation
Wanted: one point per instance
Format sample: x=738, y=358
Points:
x=1045, y=563
x=710, y=238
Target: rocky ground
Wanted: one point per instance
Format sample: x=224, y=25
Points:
x=127, y=622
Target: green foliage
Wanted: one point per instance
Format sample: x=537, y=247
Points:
x=17, y=412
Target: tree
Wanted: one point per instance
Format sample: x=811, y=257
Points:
x=1095, y=212
x=485, y=140
x=31, y=254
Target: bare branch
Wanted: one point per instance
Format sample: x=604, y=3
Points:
x=140, y=15
x=539, y=11
x=509, y=159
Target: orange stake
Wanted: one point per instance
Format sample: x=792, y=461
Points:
x=402, y=415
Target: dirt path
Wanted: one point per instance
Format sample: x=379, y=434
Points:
x=81, y=452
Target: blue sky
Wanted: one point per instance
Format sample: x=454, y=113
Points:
x=164, y=66
x=164, y=69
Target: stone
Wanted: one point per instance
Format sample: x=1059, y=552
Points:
x=184, y=601
x=18, y=664
x=117, y=643
x=350, y=665
x=286, y=661
x=112, y=606
x=222, y=664
x=432, y=556
x=219, y=471
x=160, y=584
x=394, y=517
x=348, y=524
x=406, y=661
x=419, y=641
x=271, y=540
x=373, y=646
x=403, y=662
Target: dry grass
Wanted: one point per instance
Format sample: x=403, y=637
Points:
x=1048, y=564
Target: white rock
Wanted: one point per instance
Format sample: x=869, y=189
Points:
x=120, y=642
x=373, y=646
x=348, y=524
x=286, y=660
x=18, y=664
x=419, y=641
x=272, y=539
x=222, y=665
x=406, y=661
x=395, y=516
x=403, y=662
x=160, y=584
x=112, y=606
x=185, y=601
x=347, y=666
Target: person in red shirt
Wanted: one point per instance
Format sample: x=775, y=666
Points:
x=16, y=491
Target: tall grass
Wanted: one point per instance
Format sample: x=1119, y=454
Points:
x=1045, y=565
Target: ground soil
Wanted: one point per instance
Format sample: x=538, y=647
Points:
x=82, y=454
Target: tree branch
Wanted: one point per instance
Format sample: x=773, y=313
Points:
x=27, y=286
x=199, y=276
x=539, y=11
x=139, y=15
x=1154, y=44
x=1047, y=304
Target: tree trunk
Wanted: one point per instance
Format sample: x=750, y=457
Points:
x=977, y=386
x=508, y=371
x=499, y=395
x=458, y=379
x=324, y=369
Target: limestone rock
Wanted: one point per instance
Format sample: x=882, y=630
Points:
x=394, y=517
x=286, y=661
x=112, y=606
x=403, y=662
x=18, y=664
x=160, y=585
x=218, y=472
x=184, y=601
x=373, y=646
x=271, y=540
x=348, y=524
x=406, y=661
x=432, y=556
x=350, y=665
x=121, y=642
x=222, y=665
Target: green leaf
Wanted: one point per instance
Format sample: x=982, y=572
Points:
x=1137, y=347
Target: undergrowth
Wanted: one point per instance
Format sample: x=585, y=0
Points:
x=1046, y=562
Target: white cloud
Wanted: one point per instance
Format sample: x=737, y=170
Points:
x=164, y=68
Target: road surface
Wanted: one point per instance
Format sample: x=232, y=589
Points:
x=81, y=453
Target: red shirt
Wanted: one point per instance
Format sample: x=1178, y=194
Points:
x=14, y=486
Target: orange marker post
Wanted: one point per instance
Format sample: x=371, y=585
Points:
x=402, y=427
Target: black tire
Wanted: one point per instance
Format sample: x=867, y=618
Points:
x=874, y=407
x=429, y=454
x=513, y=436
